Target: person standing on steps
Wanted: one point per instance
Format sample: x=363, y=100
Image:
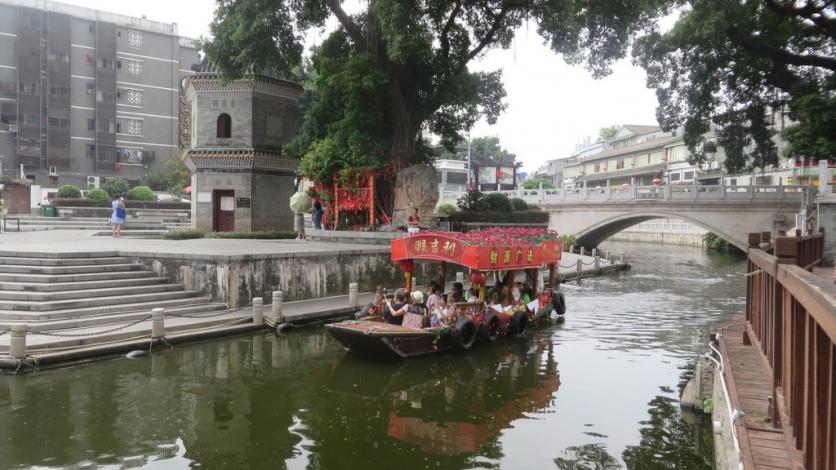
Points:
x=117, y=220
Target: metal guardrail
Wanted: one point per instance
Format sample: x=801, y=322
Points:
x=692, y=193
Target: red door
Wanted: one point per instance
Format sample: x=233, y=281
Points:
x=223, y=207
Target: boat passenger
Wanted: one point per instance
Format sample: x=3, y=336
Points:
x=525, y=291
x=473, y=295
x=457, y=295
x=414, y=314
x=438, y=316
x=393, y=313
x=434, y=297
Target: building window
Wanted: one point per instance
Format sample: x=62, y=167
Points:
x=89, y=59
x=619, y=165
x=688, y=175
x=91, y=124
x=91, y=88
x=134, y=67
x=106, y=126
x=118, y=64
x=132, y=126
x=733, y=182
x=91, y=28
x=130, y=155
x=91, y=151
x=134, y=97
x=214, y=104
x=224, y=126
x=134, y=39
x=674, y=177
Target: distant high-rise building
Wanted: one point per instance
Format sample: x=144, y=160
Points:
x=86, y=94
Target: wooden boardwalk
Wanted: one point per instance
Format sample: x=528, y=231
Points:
x=762, y=446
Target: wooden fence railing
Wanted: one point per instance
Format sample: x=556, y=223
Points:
x=791, y=312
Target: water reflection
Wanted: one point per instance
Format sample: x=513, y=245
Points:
x=598, y=391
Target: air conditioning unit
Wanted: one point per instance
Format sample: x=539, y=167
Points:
x=93, y=182
x=13, y=128
x=53, y=171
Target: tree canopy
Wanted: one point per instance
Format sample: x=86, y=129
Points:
x=734, y=66
x=484, y=151
x=607, y=133
x=400, y=68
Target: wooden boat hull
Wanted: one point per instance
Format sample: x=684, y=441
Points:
x=377, y=338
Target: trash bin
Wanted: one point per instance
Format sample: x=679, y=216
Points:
x=48, y=210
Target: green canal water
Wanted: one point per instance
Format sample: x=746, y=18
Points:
x=598, y=391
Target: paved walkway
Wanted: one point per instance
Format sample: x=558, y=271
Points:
x=71, y=241
x=762, y=445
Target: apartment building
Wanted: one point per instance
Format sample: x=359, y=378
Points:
x=86, y=95
x=635, y=155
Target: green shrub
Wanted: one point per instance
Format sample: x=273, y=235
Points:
x=474, y=201
x=69, y=191
x=536, y=182
x=446, y=209
x=184, y=234
x=714, y=242
x=261, y=235
x=519, y=204
x=534, y=207
x=99, y=195
x=498, y=202
x=115, y=186
x=141, y=193
x=568, y=240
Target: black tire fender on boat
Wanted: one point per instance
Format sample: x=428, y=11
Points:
x=489, y=329
x=519, y=322
x=464, y=333
x=559, y=303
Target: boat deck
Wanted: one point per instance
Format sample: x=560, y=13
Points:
x=375, y=328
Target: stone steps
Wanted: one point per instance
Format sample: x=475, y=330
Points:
x=68, y=313
x=14, y=260
x=92, y=301
x=82, y=269
x=125, y=291
x=45, y=286
x=86, y=322
x=63, y=279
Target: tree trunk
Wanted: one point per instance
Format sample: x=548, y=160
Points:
x=403, y=89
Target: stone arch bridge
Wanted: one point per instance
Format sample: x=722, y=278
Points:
x=595, y=214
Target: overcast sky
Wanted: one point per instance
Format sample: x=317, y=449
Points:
x=551, y=105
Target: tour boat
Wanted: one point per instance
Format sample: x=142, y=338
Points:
x=498, y=251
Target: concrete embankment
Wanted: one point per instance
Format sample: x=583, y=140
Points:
x=64, y=298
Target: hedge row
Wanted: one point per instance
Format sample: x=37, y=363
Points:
x=190, y=233
x=262, y=235
x=518, y=217
x=62, y=202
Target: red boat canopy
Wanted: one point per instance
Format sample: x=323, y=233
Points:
x=483, y=250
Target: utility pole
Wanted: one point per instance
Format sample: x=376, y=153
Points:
x=469, y=169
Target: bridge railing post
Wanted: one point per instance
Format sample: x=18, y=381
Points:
x=695, y=188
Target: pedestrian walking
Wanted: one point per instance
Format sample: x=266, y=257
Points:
x=318, y=212
x=117, y=219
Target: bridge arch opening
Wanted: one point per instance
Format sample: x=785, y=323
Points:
x=595, y=235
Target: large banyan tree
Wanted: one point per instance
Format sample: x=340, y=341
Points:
x=400, y=68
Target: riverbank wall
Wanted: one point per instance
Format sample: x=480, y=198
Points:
x=680, y=239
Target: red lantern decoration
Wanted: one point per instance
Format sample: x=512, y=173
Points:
x=657, y=181
x=477, y=277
